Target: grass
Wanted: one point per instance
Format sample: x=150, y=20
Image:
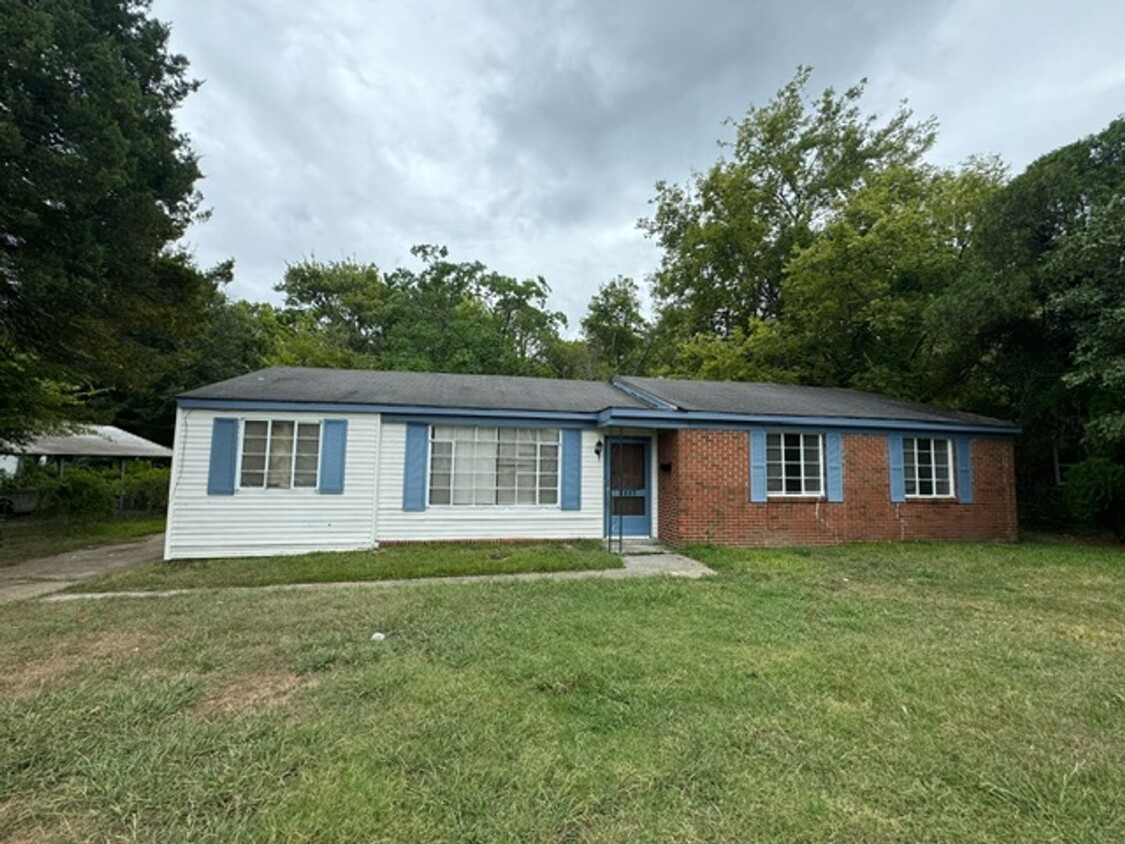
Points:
x=906, y=693
x=405, y=561
x=29, y=538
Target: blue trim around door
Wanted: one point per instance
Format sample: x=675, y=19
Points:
x=640, y=525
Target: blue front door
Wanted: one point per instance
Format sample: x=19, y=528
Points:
x=629, y=488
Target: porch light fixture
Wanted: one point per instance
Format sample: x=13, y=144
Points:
x=598, y=449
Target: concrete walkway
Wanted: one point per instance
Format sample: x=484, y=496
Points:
x=645, y=560
x=50, y=574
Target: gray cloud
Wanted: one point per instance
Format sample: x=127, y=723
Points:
x=529, y=136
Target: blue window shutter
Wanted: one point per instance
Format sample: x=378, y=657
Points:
x=571, y=498
x=964, y=470
x=224, y=454
x=333, y=455
x=417, y=461
x=757, y=465
x=834, y=457
x=898, y=473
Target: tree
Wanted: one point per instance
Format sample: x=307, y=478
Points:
x=1051, y=243
x=869, y=302
x=728, y=234
x=614, y=328
x=447, y=317
x=95, y=185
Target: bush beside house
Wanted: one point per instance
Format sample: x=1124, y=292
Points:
x=88, y=492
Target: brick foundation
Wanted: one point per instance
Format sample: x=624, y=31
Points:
x=706, y=497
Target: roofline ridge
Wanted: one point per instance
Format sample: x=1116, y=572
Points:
x=654, y=401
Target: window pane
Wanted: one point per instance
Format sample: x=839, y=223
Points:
x=549, y=496
x=439, y=496
x=941, y=453
x=812, y=487
x=942, y=487
x=253, y=479
x=253, y=462
x=443, y=432
x=256, y=428
x=548, y=481
x=925, y=486
x=506, y=496
x=281, y=455
x=911, y=486
x=793, y=485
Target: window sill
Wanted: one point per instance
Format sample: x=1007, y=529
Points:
x=911, y=499
x=493, y=508
x=794, y=497
x=257, y=490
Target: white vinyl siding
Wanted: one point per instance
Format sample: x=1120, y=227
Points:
x=794, y=464
x=263, y=521
x=927, y=467
x=497, y=521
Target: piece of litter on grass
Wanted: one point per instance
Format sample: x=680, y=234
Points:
x=378, y=637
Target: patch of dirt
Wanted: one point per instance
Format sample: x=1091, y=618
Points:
x=251, y=692
x=40, y=819
x=61, y=831
x=40, y=670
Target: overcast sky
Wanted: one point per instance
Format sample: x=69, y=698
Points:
x=528, y=135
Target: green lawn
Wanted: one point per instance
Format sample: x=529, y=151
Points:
x=902, y=693
x=27, y=538
x=404, y=561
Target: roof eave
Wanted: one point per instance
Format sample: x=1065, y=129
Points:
x=634, y=417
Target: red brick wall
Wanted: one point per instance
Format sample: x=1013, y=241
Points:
x=706, y=497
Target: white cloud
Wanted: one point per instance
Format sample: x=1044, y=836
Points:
x=529, y=136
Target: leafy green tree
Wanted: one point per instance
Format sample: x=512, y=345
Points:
x=95, y=185
x=868, y=303
x=614, y=328
x=1054, y=334
x=728, y=234
x=448, y=317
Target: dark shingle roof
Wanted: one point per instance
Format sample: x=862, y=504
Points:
x=502, y=392
x=791, y=400
x=418, y=389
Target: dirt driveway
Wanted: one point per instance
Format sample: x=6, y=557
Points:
x=50, y=574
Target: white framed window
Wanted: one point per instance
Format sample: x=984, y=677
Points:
x=927, y=465
x=279, y=454
x=794, y=464
x=494, y=466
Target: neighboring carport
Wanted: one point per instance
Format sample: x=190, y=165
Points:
x=89, y=442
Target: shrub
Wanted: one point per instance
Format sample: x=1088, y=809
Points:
x=80, y=494
x=1095, y=494
x=145, y=487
